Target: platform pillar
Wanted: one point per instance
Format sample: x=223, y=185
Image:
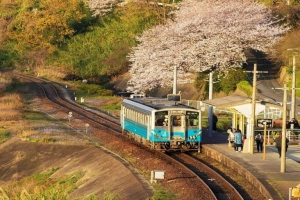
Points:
x=246, y=148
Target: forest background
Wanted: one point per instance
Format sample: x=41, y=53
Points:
x=76, y=40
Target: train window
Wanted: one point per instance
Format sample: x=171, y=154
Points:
x=131, y=115
x=193, y=118
x=140, y=118
x=160, y=118
x=176, y=121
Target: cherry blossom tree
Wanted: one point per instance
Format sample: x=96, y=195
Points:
x=205, y=35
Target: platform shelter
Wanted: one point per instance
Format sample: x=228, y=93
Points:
x=241, y=109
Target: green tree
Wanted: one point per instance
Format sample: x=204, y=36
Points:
x=103, y=51
x=44, y=24
x=230, y=81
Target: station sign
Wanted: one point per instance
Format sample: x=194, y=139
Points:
x=260, y=123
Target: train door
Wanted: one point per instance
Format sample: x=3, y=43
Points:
x=178, y=127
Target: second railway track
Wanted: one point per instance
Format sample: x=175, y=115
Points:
x=219, y=186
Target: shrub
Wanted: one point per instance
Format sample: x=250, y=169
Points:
x=230, y=81
x=246, y=87
x=4, y=135
x=92, y=89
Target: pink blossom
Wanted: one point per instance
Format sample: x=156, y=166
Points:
x=205, y=34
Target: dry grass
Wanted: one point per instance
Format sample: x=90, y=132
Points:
x=10, y=105
x=4, y=82
x=49, y=72
x=26, y=133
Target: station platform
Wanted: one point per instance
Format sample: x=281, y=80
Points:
x=267, y=171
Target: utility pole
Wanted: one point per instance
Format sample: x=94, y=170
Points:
x=283, y=144
x=294, y=52
x=250, y=136
x=175, y=80
x=210, y=108
x=283, y=134
x=292, y=115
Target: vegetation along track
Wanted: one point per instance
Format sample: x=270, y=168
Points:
x=219, y=187
x=56, y=95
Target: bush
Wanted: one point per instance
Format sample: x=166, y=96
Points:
x=4, y=135
x=223, y=124
x=92, y=89
x=230, y=81
x=7, y=58
x=246, y=87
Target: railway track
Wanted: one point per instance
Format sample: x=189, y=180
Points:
x=55, y=95
x=219, y=186
x=211, y=185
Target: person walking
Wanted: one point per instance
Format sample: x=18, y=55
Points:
x=278, y=142
x=238, y=143
x=259, y=142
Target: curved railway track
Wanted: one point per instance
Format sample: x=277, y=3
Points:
x=211, y=185
x=55, y=95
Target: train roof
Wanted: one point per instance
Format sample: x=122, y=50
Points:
x=152, y=103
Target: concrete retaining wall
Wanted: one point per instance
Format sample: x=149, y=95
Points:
x=237, y=167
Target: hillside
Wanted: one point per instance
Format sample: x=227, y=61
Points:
x=21, y=159
x=100, y=48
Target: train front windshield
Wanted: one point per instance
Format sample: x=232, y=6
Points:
x=193, y=118
x=162, y=119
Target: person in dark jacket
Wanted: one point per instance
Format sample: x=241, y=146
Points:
x=278, y=142
x=215, y=120
x=294, y=122
x=259, y=142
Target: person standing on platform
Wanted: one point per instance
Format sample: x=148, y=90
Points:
x=278, y=142
x=215, y=120
x=230, y=137
x=295, y=123
x=238, y=143
x=259, y=142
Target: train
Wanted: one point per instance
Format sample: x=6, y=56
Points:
x=161, y=123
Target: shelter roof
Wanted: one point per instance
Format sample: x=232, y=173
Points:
x=240, y=104
x=228, y=101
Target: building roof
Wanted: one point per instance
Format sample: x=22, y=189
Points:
x=240, y=104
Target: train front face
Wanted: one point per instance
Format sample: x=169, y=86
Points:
x=177, y=129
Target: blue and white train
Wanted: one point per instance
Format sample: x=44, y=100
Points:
x=161, y=124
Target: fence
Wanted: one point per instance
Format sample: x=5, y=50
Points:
x=271, y=134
